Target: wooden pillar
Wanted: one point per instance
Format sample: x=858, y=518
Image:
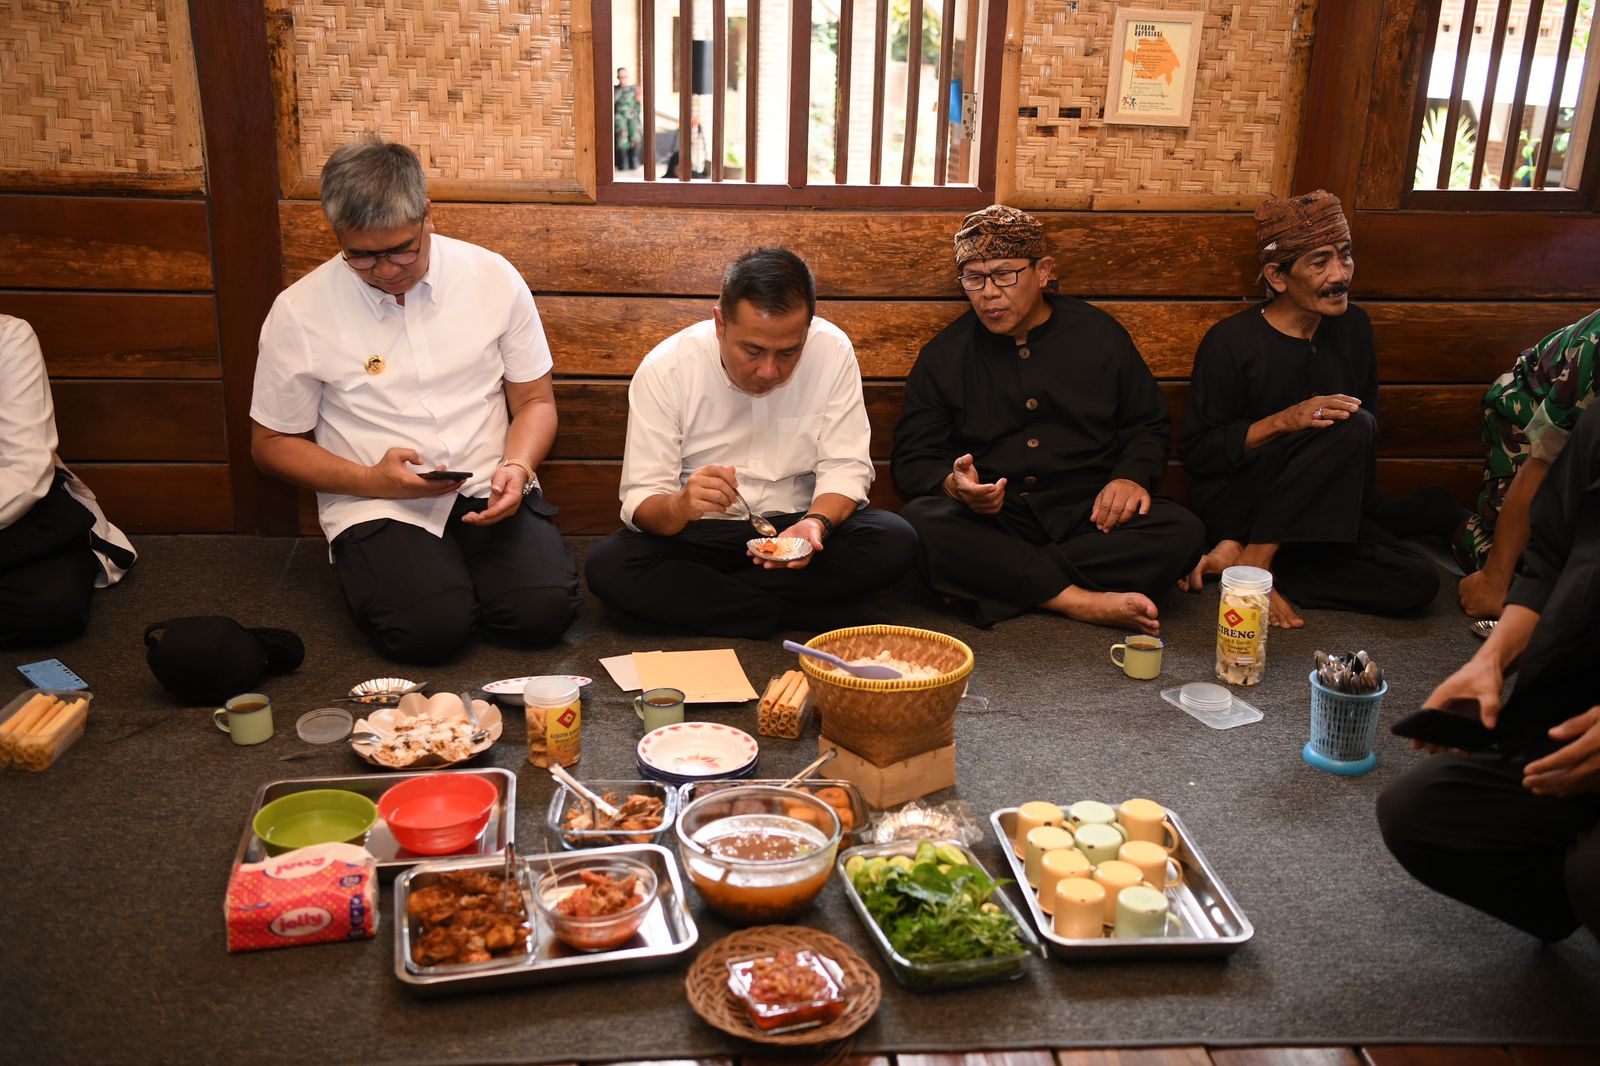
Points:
x=233, y=65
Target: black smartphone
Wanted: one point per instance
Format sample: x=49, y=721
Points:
x=1461, y=729
x=51, y=674
x=444, y=475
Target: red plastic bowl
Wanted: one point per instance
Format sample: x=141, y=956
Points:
x=438, y=814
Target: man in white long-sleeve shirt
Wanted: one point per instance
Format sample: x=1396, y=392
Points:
x=761, y=402
x=56, y=546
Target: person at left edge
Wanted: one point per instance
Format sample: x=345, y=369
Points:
x=410, y=351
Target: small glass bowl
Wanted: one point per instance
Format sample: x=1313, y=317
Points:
x=604, y=932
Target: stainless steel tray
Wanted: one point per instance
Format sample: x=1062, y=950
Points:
x=392, y=858
x=1212, y=922
x=668, y=930
x=580, y=839
x=858, y=801
x=936, y=975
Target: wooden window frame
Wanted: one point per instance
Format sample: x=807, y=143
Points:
x=796, y=193
x=1586, y=197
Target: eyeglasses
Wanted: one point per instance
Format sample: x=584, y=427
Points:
x=1003, y=279
x=364, y=260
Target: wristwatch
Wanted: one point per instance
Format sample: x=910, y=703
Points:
x=827, y=525
x=531, y=484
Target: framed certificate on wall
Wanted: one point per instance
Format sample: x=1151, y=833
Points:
x=1153, y=59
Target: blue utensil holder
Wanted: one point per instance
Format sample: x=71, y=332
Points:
x=1343, y=729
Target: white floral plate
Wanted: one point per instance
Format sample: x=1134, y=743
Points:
x=697, y=749
x=444, y=705
x=509, y=691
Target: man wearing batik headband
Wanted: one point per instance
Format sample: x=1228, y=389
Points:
x=1280, y=436
x=1031, y=439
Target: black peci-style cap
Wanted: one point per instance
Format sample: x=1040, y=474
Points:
x=210, y=658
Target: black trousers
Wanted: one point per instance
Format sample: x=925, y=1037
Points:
x=1311, y=494
x=702, y=579
x=47, y=571
x=1467, y=828
x=419, y=597
x=1005, y=564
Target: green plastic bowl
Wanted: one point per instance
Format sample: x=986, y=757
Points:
x=316, y=816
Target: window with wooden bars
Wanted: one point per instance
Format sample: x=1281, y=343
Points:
x=821, y=102
x=1506, y=111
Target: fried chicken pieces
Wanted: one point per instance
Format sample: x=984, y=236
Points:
x=462, y=919
x=636, y=817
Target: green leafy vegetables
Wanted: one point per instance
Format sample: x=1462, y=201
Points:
x=935, y=907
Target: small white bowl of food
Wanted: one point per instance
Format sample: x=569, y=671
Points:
x=779, y=549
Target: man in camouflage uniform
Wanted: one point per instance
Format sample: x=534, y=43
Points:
x=1527, y=415
x=626, y=122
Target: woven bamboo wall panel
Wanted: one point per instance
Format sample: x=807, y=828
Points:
x=1248, y=83
x=483, y=90
x=99, y=94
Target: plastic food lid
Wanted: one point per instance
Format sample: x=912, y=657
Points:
x=550, y=691
x=1204, y=696
x=323, y=725
x=1247, y=579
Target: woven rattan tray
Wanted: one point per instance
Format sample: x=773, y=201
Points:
x=707, y=984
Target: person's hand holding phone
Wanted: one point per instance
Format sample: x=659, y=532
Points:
x=393, y=479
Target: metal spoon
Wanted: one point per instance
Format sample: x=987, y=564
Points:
x=869, y=671
x=561, y=775
x=479, y=735
x=765, y=528
x=821, y=760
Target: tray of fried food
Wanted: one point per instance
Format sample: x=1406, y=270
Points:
x=666, y=931
x=40, y=724
x=645, y=812
x=466, y=917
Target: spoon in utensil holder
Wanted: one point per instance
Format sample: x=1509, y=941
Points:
x=867, y=671
x=765, y=528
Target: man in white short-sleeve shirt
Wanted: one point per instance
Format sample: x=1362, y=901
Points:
x=761, y=406
x=407, y=382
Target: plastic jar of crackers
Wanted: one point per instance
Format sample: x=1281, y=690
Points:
x=1242, y=620
x=554, y=713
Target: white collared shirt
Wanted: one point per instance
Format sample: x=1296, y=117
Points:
x=467, y=327
x=806, y=437
x=28, y=462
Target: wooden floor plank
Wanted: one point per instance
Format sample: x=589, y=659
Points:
x=1025, y=1057
x=797, y=1057
x=1137, y=1056
x=1284, y=1056
x=1528, y=1055
x=1435, y=1055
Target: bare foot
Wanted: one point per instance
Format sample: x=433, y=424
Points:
x=1281, y=612
x=1215, y=561
x=1482, y=596
x=1123, y=610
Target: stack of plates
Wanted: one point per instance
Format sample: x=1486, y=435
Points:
x=697, y=751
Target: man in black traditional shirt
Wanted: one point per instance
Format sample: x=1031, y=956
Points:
x=1280, y=436
x=1032, y=436
x=1517, y=833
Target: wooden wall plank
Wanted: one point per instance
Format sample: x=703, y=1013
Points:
x=1337, y=96
x=1453, y=255
x=139, y=421
x=96, y=242
x=894, y=255
x=1416, y=420
x=979, y=1058
x=162, y=497
x=1529, y=1055
x=586, y=490
x=121, y=335
x=1451, y=343
x=1435, y=1055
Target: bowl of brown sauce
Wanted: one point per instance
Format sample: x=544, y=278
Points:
x=750, y=858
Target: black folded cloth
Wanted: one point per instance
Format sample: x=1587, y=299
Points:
x=211, y=658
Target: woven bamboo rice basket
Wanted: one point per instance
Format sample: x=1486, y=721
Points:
x=887, y=721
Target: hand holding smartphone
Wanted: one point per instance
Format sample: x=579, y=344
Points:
x=444, y=475
x=1457, y=726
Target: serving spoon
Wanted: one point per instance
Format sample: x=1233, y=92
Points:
x=868, y=671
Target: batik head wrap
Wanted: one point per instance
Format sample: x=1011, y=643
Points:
x=999, y=232
x=1290, y=227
